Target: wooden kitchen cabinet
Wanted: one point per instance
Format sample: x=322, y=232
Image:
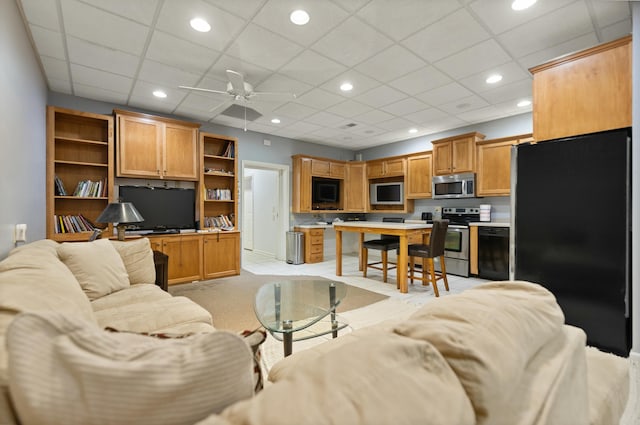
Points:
x=419, y=171
x=326, y=168
x=457, y=154
x=387, y=167
x=221, y=254
x=494, y=165
x=313, y=244
x=155, y=147
x=185, y=256
x=356, y=194
x=584, y=92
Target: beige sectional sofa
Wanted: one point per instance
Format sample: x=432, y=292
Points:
x=496, y=354
x=98, y=285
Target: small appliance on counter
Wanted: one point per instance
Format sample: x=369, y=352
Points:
x=427, y=216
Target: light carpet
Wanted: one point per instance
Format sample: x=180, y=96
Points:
x=230, y=300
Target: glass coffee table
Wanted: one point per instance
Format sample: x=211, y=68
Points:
x=307, y=307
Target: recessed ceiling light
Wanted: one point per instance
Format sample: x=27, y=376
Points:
x=524, y=103
x=299, y=17
x=346, y=86
x=200, y=24
x=160, y=94
x=413, y=130
x=492, y=79
x=275, y=121
x=522, y=4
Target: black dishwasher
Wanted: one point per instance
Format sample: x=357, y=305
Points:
x=493, y=253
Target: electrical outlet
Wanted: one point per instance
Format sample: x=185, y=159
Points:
x=20, y=234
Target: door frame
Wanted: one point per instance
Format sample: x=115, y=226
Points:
x=283, y=201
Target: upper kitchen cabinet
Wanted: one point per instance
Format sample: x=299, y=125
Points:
x=327, y=168
x=584, y=92
x=356, y=195
x=456, y=154
x=419, y=171
x=494, y=165
x=387, y=167
x=154, y=147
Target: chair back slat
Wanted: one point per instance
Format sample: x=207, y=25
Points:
x=437, y=238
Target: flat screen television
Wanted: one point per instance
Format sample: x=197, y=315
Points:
x=163, y=209
x=325, y=190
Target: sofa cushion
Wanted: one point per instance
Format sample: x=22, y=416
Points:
x=65, y=371
x=382, y=379
x=161, y=315
x=137, y=257
x=134, y=294
x=97, y=266
x=488, y=335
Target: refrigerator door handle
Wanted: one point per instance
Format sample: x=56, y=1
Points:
x=512, y=233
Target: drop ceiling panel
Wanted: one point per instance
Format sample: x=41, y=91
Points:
x=608, y=13
x=244, y=9
x=279, y=83
x=295, y=110
x=361, y=83
x=461, y=106
x=511, y=72
x=114, y=31
x=82, y=52
x=44, y=14
x=420, y=80
x=312, y=68
x=499, y=17
x=173, y=51
x=380, y=96
x=164, y=76
x=404, y=106
x=561, y=49
x=617, y=30
x=260, y=44
x=427, y=117
x=323, y=17
x=399, y=19
x=96, y=78
x=139, y=11
x=462, y=32
x=175, y=16
x=319, y=99
x=252, y=73
x=349, y=108
x=50, y=42
x=480, y=57
x=55, y=69
x=374, y=116
x=390, y=64
x=99, y=93
x=445, y=94
x=352, y=42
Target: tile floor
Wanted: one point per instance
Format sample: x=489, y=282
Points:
x=260, y=264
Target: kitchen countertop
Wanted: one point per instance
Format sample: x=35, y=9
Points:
x=314, y=226
x=491, y=224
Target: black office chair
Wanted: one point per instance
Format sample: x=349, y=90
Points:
x=385, y=244
x=428, y=253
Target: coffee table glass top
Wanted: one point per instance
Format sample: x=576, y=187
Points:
x=294, y=305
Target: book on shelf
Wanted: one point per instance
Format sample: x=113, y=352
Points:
x=91, y=189
x=229, y=151
x=59, y=187
x=72, y=224
x=218, y=194
x=222, y=222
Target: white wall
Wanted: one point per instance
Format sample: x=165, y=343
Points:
x=22, y=132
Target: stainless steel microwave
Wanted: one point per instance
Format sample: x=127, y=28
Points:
x=454, y=186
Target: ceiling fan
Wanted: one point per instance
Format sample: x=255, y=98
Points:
x=239, y=90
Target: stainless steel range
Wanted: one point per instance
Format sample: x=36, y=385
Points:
x=456, y=247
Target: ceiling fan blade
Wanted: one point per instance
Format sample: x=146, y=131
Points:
x=237, y=82
x=204, y=90
x=273, y=94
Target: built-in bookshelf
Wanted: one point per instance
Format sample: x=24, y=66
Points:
x=218, y=192
x=80, y=172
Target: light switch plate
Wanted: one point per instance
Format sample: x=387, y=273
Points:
x=20, y=233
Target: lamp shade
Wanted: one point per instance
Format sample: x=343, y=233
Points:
x=120, y=212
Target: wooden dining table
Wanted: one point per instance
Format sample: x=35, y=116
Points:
x=402, y=230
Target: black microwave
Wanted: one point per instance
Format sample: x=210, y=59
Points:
x=386, y=193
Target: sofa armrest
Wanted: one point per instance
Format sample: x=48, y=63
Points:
x=161, y=261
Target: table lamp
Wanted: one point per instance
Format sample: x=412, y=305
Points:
x=121, y=213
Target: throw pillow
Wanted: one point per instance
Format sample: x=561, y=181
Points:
x=97, y=266
x=137, y=257
x=62, y=371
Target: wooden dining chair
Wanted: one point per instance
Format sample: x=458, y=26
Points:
x=434, y=249
x=384, y=244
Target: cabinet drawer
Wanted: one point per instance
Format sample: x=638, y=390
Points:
x=316, y=240
x=316, y=232
x=315, y=258
x=315, y=249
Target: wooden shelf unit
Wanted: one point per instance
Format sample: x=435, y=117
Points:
x=79, y=147
x=218, y=184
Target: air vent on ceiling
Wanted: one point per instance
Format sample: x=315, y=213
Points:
x=237, y=111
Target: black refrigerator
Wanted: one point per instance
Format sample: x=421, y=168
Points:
x=572, y=222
